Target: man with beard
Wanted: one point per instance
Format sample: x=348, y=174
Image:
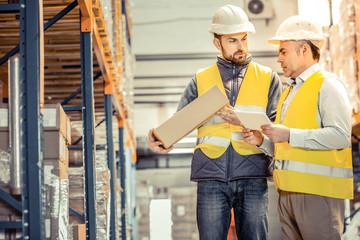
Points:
x=231, y=173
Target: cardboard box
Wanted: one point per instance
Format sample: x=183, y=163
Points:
x=79, y=232
x=75, y=157
x=55, y=119
x=55, y=146
x=191, y=117
x=4, y=141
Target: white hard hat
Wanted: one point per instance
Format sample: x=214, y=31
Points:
x=298, y=28
x=231, y=19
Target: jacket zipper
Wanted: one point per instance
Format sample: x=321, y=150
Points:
x=233, y=98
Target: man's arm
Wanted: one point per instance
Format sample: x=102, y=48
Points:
x=189, y=95
x=334, y=114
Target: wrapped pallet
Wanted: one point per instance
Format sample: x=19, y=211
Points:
x=102, y=196
x=57, y=205
x=76, y=194
x=7, y=212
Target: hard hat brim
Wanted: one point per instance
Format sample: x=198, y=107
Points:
x=226, y=29
x=277, y=40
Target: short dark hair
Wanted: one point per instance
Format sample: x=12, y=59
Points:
x=218, y=36
x=314, y=49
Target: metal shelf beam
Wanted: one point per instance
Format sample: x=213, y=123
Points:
x=121, y=169
x=31, y=136
x=87, y=94
x=111, y=163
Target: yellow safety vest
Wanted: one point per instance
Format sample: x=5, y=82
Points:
x=320, y=172
x=215, y=135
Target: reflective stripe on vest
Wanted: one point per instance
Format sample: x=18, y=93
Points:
x=214, y=120
x=219, y=141
x=215, y=135
x=316, y=169
x=320, y=172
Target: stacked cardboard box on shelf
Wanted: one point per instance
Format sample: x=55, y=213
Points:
x=357, y=34
x=345, y=43
x=343, y=50
x=56, y=136
x=79, y=231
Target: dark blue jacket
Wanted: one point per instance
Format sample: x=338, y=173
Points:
x=231, y=165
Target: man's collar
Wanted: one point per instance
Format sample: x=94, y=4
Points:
x=305, y=74
x=310, y=71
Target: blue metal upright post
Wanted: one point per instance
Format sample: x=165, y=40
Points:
x=87, y=94
x=110, y=159
x=122, y=181
x=123, y=11
x=31, y=124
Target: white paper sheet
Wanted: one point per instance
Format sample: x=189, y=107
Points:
x=252, y=120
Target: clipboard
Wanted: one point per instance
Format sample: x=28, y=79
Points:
x=252, y=120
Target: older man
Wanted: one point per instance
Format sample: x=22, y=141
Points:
x=312, y=136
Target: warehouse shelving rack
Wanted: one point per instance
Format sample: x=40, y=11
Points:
x=32, y=50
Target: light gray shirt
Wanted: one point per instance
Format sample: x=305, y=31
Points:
x=333, y=116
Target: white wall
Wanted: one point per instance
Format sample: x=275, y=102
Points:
x=173, y=26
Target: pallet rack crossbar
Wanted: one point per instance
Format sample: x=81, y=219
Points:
x=74, y=94
x=10, y=8
x=98, y=147
x=10, y=200
x=76, y=214
x=72, y=108
x=98, y=124
x=10, y=224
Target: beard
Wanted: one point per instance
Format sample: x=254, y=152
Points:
x=237, y=60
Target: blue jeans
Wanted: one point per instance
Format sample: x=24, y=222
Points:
x=248, y=197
